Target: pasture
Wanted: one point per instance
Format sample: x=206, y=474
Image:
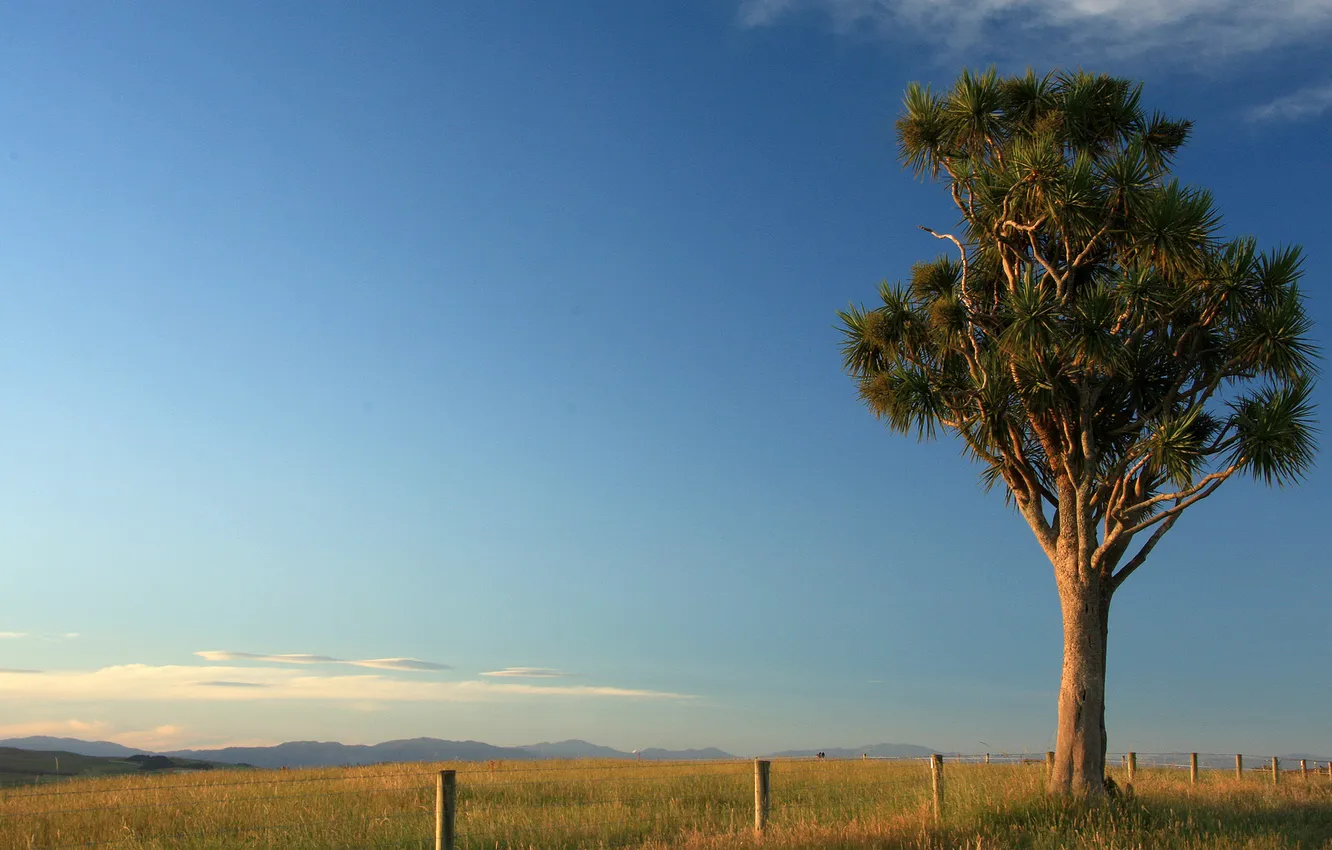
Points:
x=605, y=804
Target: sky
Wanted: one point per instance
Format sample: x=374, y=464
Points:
x=469, y=370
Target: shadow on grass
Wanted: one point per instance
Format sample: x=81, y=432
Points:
x=1219, y=818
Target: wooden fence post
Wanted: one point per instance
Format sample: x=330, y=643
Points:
x=987, y=758
x=762, y=795
x=1049, y=763
x=937, y=781
x=1193, y=768
x=446, y=807
x=1239, y=766
x=1132, y=766
x=1304, y=769
x=1276, y=771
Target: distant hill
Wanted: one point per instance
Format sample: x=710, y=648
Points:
x=69, y=745
x=328, y=754
x=882, y=751
x=655, y=754
x=332, y=753
x=576, y=749
x=19, y=766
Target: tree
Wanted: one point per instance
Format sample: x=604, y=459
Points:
x=1089, y=338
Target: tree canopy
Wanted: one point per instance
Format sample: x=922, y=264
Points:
x=1091, y=333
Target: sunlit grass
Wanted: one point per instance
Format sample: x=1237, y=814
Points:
x=576, y=804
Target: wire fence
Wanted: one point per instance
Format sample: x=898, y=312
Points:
x=564, y=804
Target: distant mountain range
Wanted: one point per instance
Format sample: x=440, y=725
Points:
x=102, y=749
x=323, y=754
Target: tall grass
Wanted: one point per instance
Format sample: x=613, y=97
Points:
x=577, y=804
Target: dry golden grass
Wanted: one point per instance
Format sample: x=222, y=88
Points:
x=703, y=805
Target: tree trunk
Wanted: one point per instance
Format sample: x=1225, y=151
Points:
x=1079, y=767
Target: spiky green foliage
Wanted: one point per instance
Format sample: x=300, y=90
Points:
x=1088, y=335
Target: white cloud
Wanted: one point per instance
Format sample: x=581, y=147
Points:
x=399, y=664
x=17, y=670
x=529, y=673
x=148, y=683
x=1308, y=102
x=406, y=664
x=1186, y=28
x=12, y=635
x=290, y=658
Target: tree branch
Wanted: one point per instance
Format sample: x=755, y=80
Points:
x=1139, y=559
x=1176, y=509
x=974, y=359
x=1188, y=491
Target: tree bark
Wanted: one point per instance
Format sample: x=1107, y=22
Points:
x=1079, y=767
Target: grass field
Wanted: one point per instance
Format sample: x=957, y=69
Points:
x=823, y=804
x=20, y=767
x=25, y=767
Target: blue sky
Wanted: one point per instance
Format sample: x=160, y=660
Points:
x=428, y=342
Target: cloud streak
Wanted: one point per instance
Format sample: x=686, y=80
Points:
x=149, y=683
x=1308, y=102
x=1118, y=28
x=55, y=728
x=412, y=665
x=528, y=673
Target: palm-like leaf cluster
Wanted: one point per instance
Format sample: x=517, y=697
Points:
x=1092, y=341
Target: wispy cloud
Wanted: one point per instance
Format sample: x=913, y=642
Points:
x=143, y=682
x=405, y=664
x=529, y=673
x=17, y=670
x=165, y=737
x=54, y=728
x=1116, y=28
x=289, y=658
x=399, y=664
x=56, y=636
x=12, y=635
x=1308, y=102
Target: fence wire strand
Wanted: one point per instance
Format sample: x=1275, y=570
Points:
x=217, y=833
x=4, y=798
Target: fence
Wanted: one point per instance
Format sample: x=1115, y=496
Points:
x=567, y=804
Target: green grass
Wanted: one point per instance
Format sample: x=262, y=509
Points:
x=823, y=804
x=27, y=766
x=24, y=767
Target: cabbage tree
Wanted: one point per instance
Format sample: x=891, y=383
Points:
x=1089, y=337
